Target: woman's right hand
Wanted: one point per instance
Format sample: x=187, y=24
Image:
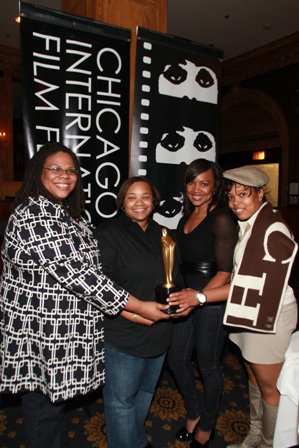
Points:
x=185, y=299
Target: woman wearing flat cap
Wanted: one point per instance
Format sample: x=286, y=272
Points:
x=261, y=306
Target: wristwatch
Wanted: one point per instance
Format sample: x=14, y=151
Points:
x=201, y=297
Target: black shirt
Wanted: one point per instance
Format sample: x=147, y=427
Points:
x=212, y=241
x=132, y=258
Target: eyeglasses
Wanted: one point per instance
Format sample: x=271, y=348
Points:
x=57, y=170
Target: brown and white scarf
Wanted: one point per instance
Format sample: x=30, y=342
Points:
x=259, y=283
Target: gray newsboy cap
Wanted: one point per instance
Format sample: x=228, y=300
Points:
x=247, y=175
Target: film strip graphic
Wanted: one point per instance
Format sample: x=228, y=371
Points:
x=175, y=111
x=144, y=113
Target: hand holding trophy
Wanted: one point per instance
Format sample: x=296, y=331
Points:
x=168, y=255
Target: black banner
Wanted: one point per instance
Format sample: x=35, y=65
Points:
x=75, y=78
x=176, y=113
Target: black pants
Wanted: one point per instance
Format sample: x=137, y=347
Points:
x=44, y=422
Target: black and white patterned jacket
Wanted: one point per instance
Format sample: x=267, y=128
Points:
x=52, y=298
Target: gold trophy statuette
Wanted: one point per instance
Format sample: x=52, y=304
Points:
x=168, y=286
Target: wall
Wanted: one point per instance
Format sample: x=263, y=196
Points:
x=257, y=105
x=287, y=79
x=9, y=71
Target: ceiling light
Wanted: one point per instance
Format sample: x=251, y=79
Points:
x=18, y=19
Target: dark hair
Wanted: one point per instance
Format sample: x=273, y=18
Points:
x=228, y=185
x=193, y=170
x=32, y=185
x=128, y=183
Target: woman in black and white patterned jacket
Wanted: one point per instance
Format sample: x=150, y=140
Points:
x=53, y=294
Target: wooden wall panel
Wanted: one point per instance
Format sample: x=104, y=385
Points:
x=150, y=14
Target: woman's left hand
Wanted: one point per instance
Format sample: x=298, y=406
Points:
x=185, y=299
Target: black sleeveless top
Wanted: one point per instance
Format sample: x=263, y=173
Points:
x=210, y=246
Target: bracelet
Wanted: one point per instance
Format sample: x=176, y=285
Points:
x=135, y=318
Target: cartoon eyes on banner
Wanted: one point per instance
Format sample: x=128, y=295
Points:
x=184, y=146
x=170, y=207
x=169, y=211
x=189, y=80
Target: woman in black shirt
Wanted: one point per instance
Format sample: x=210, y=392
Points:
x=134, y=348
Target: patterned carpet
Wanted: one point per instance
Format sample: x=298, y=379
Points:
x=167, y=413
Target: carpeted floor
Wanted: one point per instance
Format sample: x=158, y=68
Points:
x=167, y=413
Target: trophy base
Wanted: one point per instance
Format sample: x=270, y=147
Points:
x=163, y=293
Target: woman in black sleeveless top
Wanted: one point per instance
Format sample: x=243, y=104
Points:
x=206, y=238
